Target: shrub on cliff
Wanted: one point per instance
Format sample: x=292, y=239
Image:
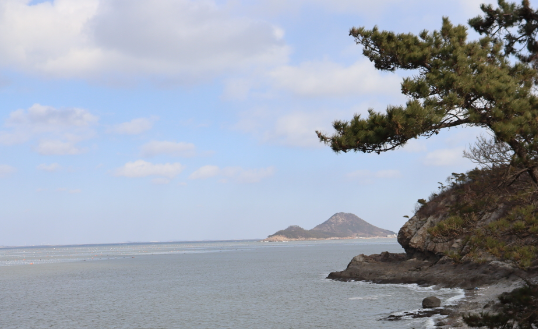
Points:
x=492, y=216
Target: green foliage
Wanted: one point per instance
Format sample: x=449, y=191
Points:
x=448, y=228
x=455, y=256
x=511, y=235
x=518, y=309
x=520, y=250
x=513, y=25
x=456, y=82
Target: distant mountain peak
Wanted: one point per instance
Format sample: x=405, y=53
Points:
x=339, y=225
x=294, y=227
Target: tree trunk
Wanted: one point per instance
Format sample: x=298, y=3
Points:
x=527, y=163
x=533, y=172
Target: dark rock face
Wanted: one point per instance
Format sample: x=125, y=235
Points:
x=444, y=251
x=398, y=268
x=431, y=302
x=417, y=242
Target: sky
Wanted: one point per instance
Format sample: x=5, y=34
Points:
x=176, y=120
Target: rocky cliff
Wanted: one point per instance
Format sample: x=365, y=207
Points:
x=480, y=229
x=476, y=225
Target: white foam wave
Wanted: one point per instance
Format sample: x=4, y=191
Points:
x=454, y=299
x=372, y=297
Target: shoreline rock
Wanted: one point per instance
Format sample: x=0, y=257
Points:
x=398, y=268
x=473, y=235
x=482, y=282
x=431, y=302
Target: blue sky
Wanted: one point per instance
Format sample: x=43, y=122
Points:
x=194, y=120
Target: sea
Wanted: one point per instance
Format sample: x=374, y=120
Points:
x=215, y=284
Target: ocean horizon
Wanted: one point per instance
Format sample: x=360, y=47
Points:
x=202, y=284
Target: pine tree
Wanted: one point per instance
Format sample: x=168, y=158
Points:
x=484, y=83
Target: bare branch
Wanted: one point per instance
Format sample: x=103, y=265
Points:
x=488, y=153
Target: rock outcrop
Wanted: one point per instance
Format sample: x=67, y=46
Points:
x=398, y=268
x=431, y=302
x=479, y=231
x=417, y=241
x=469, y=235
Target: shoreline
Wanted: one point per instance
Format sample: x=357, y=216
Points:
x=482, y=283
x=477, y=301
x=281, y=238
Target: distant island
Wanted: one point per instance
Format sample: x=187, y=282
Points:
x=339, y=226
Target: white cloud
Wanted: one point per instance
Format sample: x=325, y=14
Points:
x=471, y=8
x=49, y=167
x=168, y=40
x=42, y=118
x=236, y=174
x=134, y=127
x=316, y=79
x=238, y=88
x=59, y=130
x=16, y=137
x=75, y=191
x=325, y=78
x=57, y=147
x=414, y=146
x=463, y=135
x=363, y=9
x=247, y=175
x=273, y=7
x=160, y=181
x=445, y=157
x=6, y=170
x=388, y=174
x=141, y=168
x=297, y=128
x=205, y=172
x=154, y=148
x=290, y=127
x=368, y=177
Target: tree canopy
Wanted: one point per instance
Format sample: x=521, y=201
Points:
x=484, y=83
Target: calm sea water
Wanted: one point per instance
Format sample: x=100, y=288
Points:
x=244, y=284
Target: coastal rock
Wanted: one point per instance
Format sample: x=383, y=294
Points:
x=276, y=238
x=431, y=302
x=398, y=268
x=417, y=241
x=445, y=260
x=472, y=235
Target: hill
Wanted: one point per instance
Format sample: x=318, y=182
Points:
x=345, y=224
x=340, y=225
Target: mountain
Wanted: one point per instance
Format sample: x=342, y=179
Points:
x=346, y=224
x=340, y=225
